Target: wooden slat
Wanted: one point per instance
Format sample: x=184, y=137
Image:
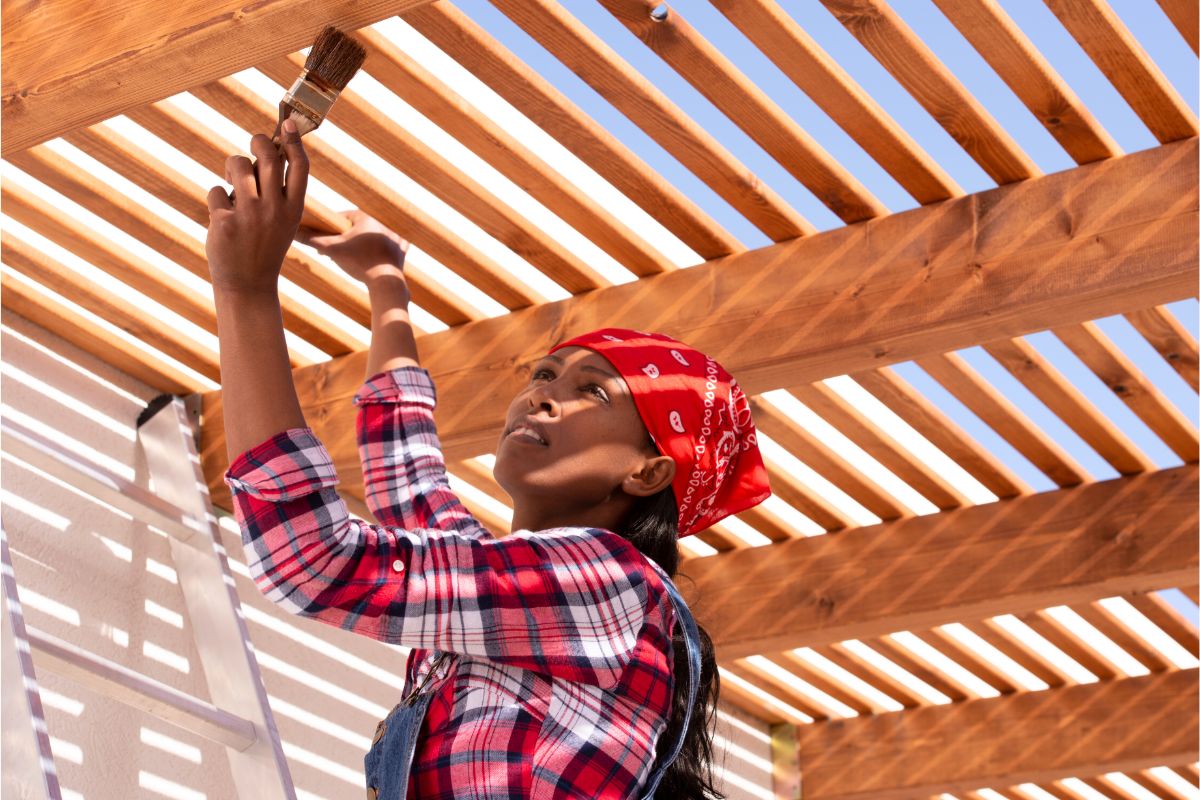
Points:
x=531, y=94
x=931, y=84
x=971, y=661
x=798, y=55
x=135, y=220
x=756, y=705
x=1070, y=405
x=867, y=671
x=511, y=157
x=1185, y=16
x=373, y=196
x=646, y=106
x=1020, y=65
x=137, y=322
x=1113, y=726
x=1015, y=643
x=942, y=432
x=1004, y=417
x=1054, y=548
x=92, y=338
x=994, y=265
x=826, y=683
x=778, y=688
x=824, y=459
x=990, y=633
x=747, y=106
x=809, y=503
x=880, y=445
x=855, y=670
x=73, y=63
x=1127, y=382
x=210, y=150
x=1066, y=640
x=1111, y=626
x=1172, y=341
x=1121, y=58
x=67, y=232
x=190, y=199
x=918, y=668
x=413, y=157
x=1166, y=617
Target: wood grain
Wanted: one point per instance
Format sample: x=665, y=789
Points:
x=712, y=74
x=931, y=84
x=1113, y=726
x=1066, y=248
x=1011, y=556
x=1019, y=64
x=474, y=48
x=650, y=109
x=71, y=64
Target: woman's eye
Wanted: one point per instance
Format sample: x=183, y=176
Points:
x=541, y=373
x=597, y=391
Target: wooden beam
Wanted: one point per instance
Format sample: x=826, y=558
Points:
x=73, y=63
x=1086, y=243
x=1034, y=737
x=1067, y=546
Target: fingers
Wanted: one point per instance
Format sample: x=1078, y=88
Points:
x=315, y=238
x=218, y=199
x=297, y=166
x=270, y=167
x=240, y=174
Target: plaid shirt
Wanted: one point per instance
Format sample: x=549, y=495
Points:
x=563, y=683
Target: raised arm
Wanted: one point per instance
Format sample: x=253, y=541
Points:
x=404, y=474
x=246, y=243
x=571, y=603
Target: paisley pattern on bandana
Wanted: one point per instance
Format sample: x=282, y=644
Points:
x=697, y=414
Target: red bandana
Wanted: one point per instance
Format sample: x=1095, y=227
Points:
x=697, y=414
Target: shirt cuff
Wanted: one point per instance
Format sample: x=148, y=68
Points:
x=400, y=385
x=291, y=464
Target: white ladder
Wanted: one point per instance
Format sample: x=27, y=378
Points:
x=180, y=507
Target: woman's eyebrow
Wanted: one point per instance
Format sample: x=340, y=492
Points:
x=586, y=368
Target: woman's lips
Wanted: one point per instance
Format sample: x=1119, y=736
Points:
x=522, y=433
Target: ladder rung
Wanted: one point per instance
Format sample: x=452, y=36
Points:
x=140, y=691
x=98, y=482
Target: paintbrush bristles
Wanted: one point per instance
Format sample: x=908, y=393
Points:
x=334, y=58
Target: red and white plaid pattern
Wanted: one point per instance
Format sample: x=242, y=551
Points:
x=563, y=685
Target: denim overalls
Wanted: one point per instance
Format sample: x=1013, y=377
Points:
x=389, y=760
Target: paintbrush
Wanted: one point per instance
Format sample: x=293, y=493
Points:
x=331, y=63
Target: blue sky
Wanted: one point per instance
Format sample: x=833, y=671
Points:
x=1146, y=21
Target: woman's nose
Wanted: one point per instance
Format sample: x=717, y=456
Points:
x=542, y=398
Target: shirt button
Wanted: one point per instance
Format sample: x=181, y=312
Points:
x=398, y=565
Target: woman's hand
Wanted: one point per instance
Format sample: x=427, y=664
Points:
x=365, y=250
x=248, y=237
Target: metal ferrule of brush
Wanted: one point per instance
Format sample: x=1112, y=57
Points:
x=307, y=102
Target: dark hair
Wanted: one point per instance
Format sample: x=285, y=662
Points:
x=652, y=526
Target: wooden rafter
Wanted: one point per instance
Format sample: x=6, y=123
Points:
x=787, y=44
x=472, y=47
x=712, y=74
x=651, y=110
x=1025, y=554
x=913, y=64
x=968, y=270
x=1112, y=726
x=60, y=73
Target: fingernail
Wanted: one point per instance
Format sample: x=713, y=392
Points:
x=289, y=125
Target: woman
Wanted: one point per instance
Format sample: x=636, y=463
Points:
x=546, y=663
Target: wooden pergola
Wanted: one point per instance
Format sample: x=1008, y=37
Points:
x=818, y=635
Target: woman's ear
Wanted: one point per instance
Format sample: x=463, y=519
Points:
x=655, y=474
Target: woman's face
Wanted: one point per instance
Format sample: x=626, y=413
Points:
x=572, y=435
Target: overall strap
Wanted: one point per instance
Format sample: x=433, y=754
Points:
x=692, y=640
